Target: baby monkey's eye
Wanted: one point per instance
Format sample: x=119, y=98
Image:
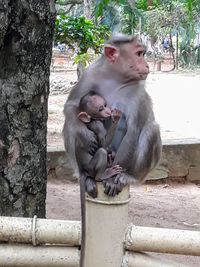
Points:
x=101, y=109
x=141, y=53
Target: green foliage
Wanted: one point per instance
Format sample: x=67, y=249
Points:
x=80, y=33
x=101, y=5
x=127, y=15
x=161, y=18
x=143, y=5
x=83, y=58
x=131, y=16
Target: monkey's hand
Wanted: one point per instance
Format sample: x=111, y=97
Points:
x=116, y=115
x=90, y=187
x=110, y=172
x=114, y=185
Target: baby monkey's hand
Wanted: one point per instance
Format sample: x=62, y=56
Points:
x=116, y=115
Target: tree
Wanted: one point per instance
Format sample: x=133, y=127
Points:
x=80, y=34
x=26, y=33
x=67, y=6
x=88, y=9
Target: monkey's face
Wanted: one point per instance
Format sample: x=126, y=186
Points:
x=98, y=109
x=132, y=61
x=128, y=61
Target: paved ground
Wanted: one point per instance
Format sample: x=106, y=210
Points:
x=175, y=99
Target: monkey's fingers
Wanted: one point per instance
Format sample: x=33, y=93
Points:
x=110, y=190
x=113, y=190
x=122, y=182
x=92, y=148
x=90, y=187
x=116, y=180
x=116, y=114
x=117, y=168
x=110, y=187
x=110, y=172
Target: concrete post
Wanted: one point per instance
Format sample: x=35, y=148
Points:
x=106, y=223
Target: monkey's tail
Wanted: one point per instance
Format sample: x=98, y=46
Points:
x=69, y=135
x=83, y=218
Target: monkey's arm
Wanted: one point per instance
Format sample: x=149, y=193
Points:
x=104, y=136
x=143, y=156
x=98, y=128
x=148, y=151
x=136, y=163
x=116, y=130
x=72, y=130
x=110, y=134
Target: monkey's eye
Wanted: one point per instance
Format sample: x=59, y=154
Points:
x=101, y=108
x=140, y=53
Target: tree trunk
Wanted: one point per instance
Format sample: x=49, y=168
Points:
x=171, y=49
x=26, y=33
x=177, y=58
x=88, y=9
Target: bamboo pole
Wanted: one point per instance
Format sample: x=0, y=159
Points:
x=162, y=240
x=40, y=231
x=137, y=259
x=106, y=222
x=16, y=255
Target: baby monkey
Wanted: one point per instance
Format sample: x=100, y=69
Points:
x=99, y=118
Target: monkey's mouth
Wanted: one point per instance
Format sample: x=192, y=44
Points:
x=143, y=76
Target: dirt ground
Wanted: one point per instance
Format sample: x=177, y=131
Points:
x=165, y=204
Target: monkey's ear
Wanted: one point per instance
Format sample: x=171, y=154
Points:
x=111, y=53
x=84, y=117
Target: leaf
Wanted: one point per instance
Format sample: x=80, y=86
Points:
x=99, y=10
x=105, y=2
x=123, y=2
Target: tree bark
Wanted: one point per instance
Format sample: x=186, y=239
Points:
x=177, y=57
x=88, y=9
x=26, y=33
x=69, y=2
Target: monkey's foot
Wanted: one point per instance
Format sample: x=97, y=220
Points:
x=90, y=187
x=110, y=172
x=114, y=185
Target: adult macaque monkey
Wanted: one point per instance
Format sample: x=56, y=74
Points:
x=119, y=76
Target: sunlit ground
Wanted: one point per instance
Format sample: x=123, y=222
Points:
x=176, y=102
